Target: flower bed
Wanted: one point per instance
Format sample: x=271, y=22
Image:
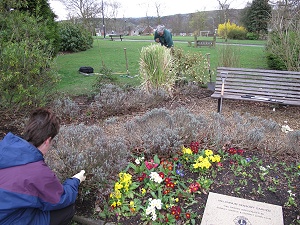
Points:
x=174, y=190
x=158, y=190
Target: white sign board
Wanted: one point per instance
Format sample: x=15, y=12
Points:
x=226, y=210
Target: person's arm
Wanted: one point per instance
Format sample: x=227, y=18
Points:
x=168, y=38
x=156, y=37
x=51, y=193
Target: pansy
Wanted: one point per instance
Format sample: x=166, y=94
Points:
x=180, y=172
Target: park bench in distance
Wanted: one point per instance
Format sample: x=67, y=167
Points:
x=273, y=86
x=120, y=36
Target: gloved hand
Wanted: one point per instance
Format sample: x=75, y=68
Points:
x=80, y=176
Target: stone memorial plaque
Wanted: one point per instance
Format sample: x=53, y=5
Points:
x=226, y=210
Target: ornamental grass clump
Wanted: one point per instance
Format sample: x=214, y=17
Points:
x=157, y=68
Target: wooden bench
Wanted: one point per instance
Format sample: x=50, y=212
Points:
x=272, y=86
x=112, y=36
x=205, y=43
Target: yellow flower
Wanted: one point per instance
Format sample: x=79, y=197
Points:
x=208, y=152
x=118, y=186
x=200, y=159
x=131, y=203
x=118, y=194
x=143, y=190
x=212, y=158
x=196, y=165
x=114, y=204
x=119, y=203
x=187, y=151
x=202, y=163
x=176, y=199
x=217, y=158
x=125, y=178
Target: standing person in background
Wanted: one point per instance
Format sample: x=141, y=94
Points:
x=163, y=36
x=30, y=193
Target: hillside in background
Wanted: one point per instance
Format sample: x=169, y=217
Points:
x=179, y=23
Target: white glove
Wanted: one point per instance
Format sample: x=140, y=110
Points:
x=80, y=176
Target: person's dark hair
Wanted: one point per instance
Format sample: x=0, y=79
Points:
x=43, y=123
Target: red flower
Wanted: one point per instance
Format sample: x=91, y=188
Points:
x=194, y=147
x=232, y=151
x=142, y=177
x=175, y=210
x=188, y=215
x=194, y=187
x=170, y=185
x=240, y=151
x=166, y=192
x=167, y=180
x=161, y=174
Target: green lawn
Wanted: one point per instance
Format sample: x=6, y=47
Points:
x=112, y=55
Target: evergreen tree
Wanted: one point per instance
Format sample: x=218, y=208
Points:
x=41, y=11
x=257, y=16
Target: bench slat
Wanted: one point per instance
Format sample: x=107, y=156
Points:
x=258, y=71
x=234, y=97
x=269, y=92
x=281, y=85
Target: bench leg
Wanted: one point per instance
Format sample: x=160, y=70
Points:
x=219, y=105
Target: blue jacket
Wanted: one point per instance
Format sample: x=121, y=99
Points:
x=29, y=190
x=165, y=39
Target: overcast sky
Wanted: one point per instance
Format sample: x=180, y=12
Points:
x=139, y=8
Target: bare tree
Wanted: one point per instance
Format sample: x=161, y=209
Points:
x=85, y=10
x=158, y=7
x=224, y=7
x=111, y=11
